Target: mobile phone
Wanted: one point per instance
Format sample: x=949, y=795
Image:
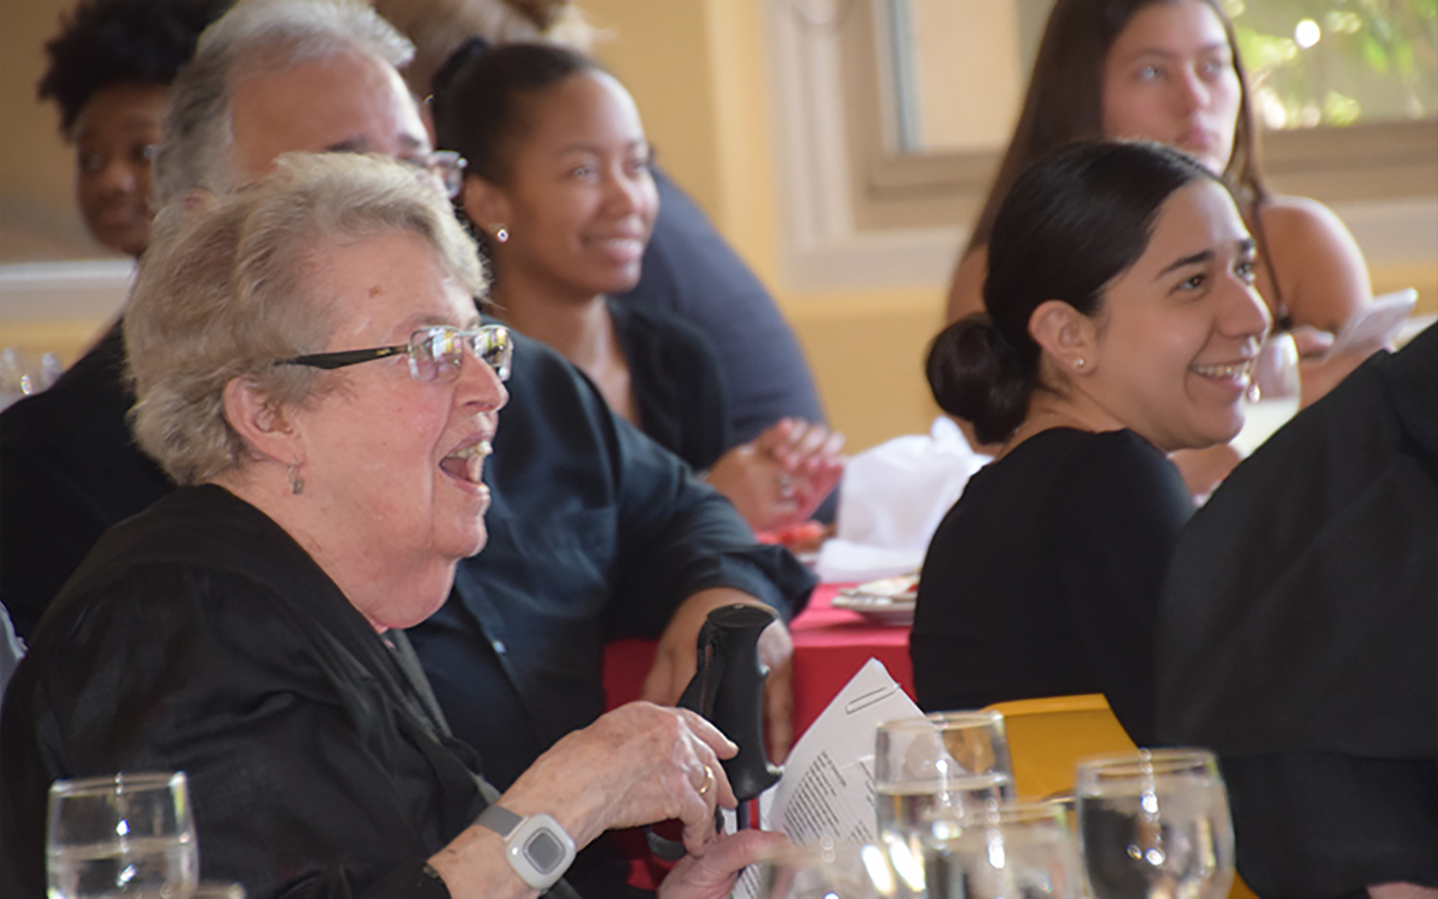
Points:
x=1377, y=325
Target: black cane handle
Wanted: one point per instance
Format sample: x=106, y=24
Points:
x=728, y=690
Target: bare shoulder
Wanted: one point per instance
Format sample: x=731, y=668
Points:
x=1320, y=270
x=966, y=291
x=1301, y=219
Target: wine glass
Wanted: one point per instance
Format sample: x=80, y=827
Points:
x=932, y=775
x=1011, y=851
x=121, y=835
x=1273, y=392
x=1155, y=823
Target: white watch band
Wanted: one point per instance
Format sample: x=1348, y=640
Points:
x=537, y=847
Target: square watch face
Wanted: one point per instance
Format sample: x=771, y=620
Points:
x=544, y=851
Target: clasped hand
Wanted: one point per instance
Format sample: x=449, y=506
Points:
x=778, y=479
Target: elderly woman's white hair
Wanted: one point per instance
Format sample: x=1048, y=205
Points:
x=197, y=149
x=440, y=27
x=228, y=289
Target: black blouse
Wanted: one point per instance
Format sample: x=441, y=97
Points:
x=199, y=637
x=1044, y=578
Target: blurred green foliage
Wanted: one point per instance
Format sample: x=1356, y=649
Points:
x=1336, y=62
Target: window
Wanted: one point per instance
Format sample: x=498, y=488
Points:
x=893, y=113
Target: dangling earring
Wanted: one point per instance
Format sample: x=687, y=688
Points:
x=501, y=233
x=297, y=483
x=1254, y=394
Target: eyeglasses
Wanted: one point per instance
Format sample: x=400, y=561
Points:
x=435, y=354
x=446, y=165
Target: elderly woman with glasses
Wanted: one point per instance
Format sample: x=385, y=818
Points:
x=311, y=368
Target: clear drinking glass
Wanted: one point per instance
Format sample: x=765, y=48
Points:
x=830, y=870
x=1016, y=851
x=1273, y=394
x=1155, y=823
x=127, y=835
x=932, y=776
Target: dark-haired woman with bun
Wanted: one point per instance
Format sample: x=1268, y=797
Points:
x=559, y=187
x=1121, y=324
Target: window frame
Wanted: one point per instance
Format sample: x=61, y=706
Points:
x=862, y=214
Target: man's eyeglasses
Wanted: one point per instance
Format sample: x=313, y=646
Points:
x=446, y=165
x=435, y=354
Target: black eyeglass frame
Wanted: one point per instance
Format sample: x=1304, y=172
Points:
x=503, y=347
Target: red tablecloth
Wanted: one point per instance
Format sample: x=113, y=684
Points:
x=830, y=646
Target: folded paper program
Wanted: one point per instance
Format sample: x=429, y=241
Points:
x=891, y=500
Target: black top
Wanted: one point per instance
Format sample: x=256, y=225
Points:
x=1299, y=637
x=68, y=470
x=200, y=637
x=1044, y=578
x=678, y=388
x=689, y=271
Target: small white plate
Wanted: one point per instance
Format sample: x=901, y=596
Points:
x=887, y=601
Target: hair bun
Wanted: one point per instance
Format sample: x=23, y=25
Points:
x=977, y=375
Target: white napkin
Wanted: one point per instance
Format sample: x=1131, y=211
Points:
x=892, y=499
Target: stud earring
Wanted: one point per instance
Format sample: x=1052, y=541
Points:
x=500, y=232
x=1079, y=363
x=297, y=483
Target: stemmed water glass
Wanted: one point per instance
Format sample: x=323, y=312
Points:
x=1013, y=851
x=1155, y=823
x=932, y=776
x=121, y=835
x=832, y=869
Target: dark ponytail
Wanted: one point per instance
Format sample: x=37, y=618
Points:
x=1076, y=220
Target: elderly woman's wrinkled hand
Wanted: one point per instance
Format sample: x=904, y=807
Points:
x=638, y=764
x=780, y=478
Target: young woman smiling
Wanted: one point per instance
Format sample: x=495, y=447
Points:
x=559, y=187
x=1133, y=339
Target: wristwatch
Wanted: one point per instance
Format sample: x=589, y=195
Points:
x=538, y=849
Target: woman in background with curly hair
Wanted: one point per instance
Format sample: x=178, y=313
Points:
x=110, y=72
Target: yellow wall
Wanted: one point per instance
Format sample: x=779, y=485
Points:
x=37, y=217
